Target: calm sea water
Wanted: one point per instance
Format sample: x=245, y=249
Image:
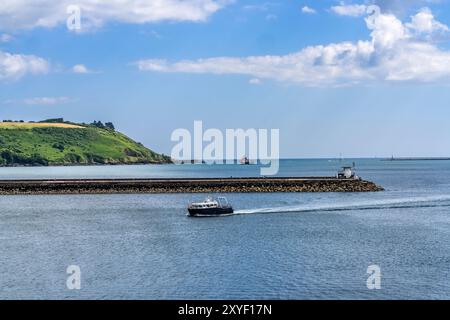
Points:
x=277, y=246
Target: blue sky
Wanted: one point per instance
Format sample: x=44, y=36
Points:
x=315, y=70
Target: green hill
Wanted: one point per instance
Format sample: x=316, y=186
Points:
x=65, y=143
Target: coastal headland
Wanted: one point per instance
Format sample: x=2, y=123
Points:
x=195, y=185
x=55, y=142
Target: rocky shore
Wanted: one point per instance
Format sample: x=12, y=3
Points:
x=207, y=185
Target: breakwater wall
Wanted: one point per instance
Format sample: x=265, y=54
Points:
x=203, y=185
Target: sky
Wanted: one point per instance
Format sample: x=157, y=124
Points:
x=351, y=78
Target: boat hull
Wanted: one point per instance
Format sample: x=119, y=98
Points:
x=210, y=212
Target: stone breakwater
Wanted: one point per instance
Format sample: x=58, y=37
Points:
x=206, y=185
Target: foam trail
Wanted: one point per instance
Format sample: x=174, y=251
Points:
x=413, y=202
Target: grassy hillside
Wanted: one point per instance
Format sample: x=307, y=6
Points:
x=69, y=144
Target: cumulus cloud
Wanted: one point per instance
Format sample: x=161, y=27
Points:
x=15, y=66
x=254, y=81
x=81, y=68
x=394, y=52
x=352, y=10
x=308, y=10
x=424, y=22
x=28, y=14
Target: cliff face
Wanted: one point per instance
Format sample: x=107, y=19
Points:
x=42, y=144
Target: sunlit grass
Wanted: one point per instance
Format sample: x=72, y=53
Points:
x=27, y=125
x=23, y=143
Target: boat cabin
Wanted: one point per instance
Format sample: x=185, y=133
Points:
x=346, y=173
x=204, y=205
x=210, y=203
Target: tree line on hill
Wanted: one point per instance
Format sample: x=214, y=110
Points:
x=97, y=124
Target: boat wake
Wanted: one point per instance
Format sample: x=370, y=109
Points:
x=413, y=202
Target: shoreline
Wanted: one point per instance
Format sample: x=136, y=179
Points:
x=186, y=185
x=84, y=164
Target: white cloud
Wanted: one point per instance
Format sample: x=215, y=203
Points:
x=387, y=31
x=254, y=81
x=15, y=66
x=352, y=10
x=28, y=14
x=81, y=68
x=5, y=38
x=308, y=10
x=394, y=53
x=424, y=22
x=46, y=101
x=401, y=7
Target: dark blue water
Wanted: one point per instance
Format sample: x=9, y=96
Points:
x=277, y=246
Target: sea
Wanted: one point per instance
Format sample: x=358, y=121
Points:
x=275, y=246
